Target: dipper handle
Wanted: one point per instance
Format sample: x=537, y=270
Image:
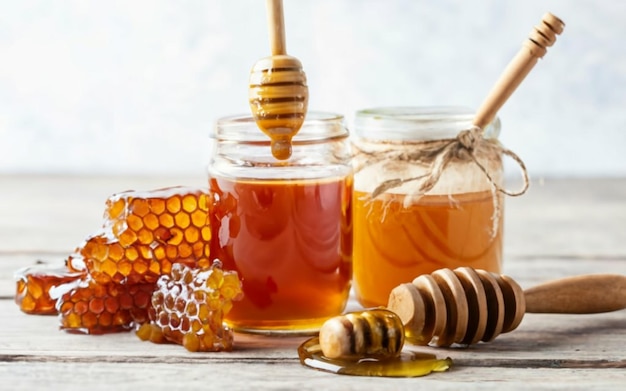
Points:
x=276, y=23
x=468, y=305
x=533, y=48
x=587, y=294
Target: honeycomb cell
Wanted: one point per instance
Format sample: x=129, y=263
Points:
x=190, y=203
x=159, y=253
x=34, y=283
x=206, y=234
x=140, y=207
x=199, y=218
x=177, y=236
x=198, y=249
x=203, y=202
x=134, y=222
x=127, y=238
x=189, y=306
x=182, y=220
x=145, y=236
x=125, y=267
x=151, y=221
x=184, y=250
x=155, y=268
x=173, y=204
x=145, y=252
x=171, y=252
x=96, y=305
x=110, y=267
x=166, y=220
x=132, y=254
x=192, y=235
x=140, y=267
x=157, y=205
x=115, y=208
x=116, y=252
x=162, y=234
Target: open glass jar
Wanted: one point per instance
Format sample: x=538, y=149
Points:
x=413, y=214
x=285, y=226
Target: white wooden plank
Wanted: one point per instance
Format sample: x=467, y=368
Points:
x=289, y=376
x=541, y=338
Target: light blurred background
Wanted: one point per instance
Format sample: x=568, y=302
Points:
x=134, y=86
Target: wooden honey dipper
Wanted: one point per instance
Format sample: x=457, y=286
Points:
x=533, y=48
x=278, y=91
x=466, y=306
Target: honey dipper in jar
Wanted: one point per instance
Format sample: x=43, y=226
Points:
x=533, y=48
x=278, y=91
x=466, y=306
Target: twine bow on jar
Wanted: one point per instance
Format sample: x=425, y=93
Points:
x=438, y=154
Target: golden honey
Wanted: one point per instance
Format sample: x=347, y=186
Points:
x=401, y=243
x=290, y=243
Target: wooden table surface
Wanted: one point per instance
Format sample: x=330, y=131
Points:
x=559, y=228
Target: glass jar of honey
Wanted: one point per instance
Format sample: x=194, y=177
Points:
x=422, y=201
x=284, y=225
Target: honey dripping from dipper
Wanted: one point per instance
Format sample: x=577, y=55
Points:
x=278, y=93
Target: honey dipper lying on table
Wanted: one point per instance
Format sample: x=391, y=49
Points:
x=463, y=306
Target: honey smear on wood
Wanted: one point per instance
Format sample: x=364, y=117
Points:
x=367, y=343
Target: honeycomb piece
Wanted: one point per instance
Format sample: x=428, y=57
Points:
x=34, y=284
x=189, y=306
x=88, y=307
x=146, y=232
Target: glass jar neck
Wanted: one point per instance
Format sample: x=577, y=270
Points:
x=241, y=150
x=317, y=127
x=417, y=123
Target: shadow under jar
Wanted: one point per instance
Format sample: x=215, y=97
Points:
x=285, y=226
x=405, y=232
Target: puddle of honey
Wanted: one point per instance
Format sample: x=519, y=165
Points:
x=408, y=364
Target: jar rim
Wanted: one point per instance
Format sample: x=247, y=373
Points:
x=318, y=125
x=417, y=123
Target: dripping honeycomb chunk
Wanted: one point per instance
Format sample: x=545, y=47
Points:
x=86, y=306
x=34, y=284
x=189, y=306
x=144, y=233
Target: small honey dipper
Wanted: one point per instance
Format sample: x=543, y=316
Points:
x=533, y=48
x=278, y=91
x=466, y=306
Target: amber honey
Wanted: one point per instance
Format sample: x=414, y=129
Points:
x=291, y=243
x=394, y=243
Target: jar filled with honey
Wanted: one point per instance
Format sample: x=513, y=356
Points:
x=425, y=197
x=285, y=226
